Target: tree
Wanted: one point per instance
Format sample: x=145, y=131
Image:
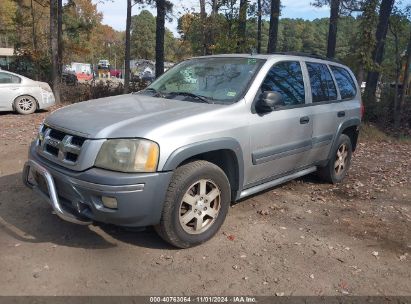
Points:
x=332, y=32
x=398, y=26
x=406, y=78
x=259, y=25
x=54, y=50
x=262, y=9
x=59, y=37
x=365, y=40
x=273, y=31
x=143, y=36
x=378, y=52
x=242, y=26
x=203, y=16
x=127, y=50
x=160, y=32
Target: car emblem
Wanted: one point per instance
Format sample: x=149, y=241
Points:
x=54, y=143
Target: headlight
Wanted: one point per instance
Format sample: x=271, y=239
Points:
x=128, y=155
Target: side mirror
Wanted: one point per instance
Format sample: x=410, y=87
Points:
x=269, y=101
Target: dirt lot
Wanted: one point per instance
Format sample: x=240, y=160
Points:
x=302, y=238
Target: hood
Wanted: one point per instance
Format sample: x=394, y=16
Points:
x=123, y=116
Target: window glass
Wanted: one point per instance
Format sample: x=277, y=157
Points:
x=8, y=78
x=345, y=82
x=220, y=79
x=322, y=84
x=286, y=78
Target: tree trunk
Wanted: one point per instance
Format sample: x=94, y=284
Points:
x=397, y=116
x=378, y=53
x=214, y=7
x=203, y=16
x=60, y=37
x=54, y=50
x=127, y=50
x=160, y=31
x=259, y=25
x=242, y=24
x=34, y=40
x=332, y=30
x=19, y=27
x=406, y=78
x=273, y=31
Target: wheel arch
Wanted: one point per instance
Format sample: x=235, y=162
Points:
x=349, y=128
x=226, y=153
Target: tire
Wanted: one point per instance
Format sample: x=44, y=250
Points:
x=25, y=104
x=335, y=172
x=196, y=204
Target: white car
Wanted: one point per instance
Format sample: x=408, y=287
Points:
x=23, y=95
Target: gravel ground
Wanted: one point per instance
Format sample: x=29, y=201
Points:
x=302, y=238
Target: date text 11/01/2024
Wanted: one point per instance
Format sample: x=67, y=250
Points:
x=203, y=299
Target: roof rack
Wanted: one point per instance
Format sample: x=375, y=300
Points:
x=307, y=55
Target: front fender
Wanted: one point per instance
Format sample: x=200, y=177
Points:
x=186, y=152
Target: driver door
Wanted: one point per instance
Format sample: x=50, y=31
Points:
x=280, y=140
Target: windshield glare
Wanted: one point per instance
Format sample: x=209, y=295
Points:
x=217, y=79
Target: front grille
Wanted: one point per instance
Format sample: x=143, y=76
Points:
x=63, y=146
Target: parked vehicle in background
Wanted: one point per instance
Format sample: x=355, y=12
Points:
x=210, y=131
x=23, y=95
x=115, y=73
x=83, y=71
x=103, y=69
x=68, y=76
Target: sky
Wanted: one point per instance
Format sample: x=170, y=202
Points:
x=114, y=11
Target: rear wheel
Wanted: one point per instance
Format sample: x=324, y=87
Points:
x=196, y=204
x=340, y=162
x=25, y=104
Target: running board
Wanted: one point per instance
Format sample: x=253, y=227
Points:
x=270, y=184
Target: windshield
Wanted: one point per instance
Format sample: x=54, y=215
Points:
x=221, y=80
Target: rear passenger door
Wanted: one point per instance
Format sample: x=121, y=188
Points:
x=326, y=109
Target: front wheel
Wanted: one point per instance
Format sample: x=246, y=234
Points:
x=337, y=167
x=196, y=204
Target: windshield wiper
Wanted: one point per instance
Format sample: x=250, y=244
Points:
x=198, y=97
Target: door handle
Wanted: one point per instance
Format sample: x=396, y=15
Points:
x=341, y=114
x=304, y=120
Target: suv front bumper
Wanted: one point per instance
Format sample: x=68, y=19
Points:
x=77, y=196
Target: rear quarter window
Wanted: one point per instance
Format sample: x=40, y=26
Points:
x=345, y=82
x=322, y=84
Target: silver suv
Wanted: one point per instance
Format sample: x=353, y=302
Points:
x=210, y=131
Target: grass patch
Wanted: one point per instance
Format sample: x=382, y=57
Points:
x=370, y=132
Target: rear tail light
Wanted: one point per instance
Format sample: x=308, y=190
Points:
x=362, y=110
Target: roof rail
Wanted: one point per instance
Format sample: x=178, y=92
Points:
x=307, y=55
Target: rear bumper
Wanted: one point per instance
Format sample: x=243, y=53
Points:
x=76, y=196
x=47, y=100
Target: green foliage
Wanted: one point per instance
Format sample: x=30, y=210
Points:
x=143, y=36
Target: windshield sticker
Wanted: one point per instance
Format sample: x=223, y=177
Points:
x=231, y=94
x=252, y=61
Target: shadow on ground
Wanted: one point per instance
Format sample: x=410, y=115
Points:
x=27, y=218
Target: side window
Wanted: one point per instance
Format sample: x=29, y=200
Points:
x=286, y=78
x=322, y=84
x=8, y=78
x=345, y=82
x=5, y=78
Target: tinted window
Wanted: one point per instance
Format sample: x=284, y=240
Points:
x=345, y=82
x=286, y=78
x=8, y=78
x=322, y=84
